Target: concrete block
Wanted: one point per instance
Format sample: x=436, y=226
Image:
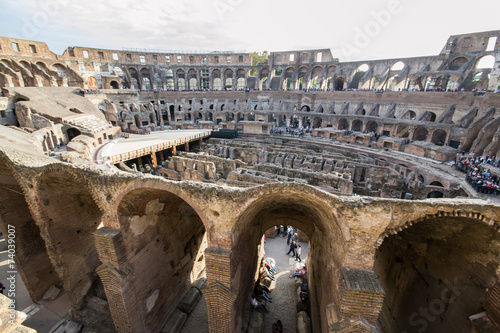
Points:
x=189, y=301
x=51, y=293
x=175, y=322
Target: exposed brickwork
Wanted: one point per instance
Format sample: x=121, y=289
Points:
x=218, y=296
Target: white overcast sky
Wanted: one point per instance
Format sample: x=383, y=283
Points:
x=353, y=30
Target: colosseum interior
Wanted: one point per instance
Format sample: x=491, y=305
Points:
x=130, y=177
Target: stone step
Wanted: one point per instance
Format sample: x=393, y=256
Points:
x=189, y=301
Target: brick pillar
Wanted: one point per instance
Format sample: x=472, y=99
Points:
x=360, y=296
x=109, y=245
x=218, y=294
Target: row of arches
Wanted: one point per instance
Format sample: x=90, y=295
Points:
x=162, y=224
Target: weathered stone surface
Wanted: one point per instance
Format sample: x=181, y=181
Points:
x=51, y=293
x=175, y=322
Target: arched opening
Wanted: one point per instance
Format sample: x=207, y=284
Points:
x=457, y=63
x=134, y=78
x=439, y=137
x=72, y=133
x=311, y=216
x=403, y=131
x=398, y=66
x=305, y=108
x=115, y=85
x=317, y=122
x=164, y=241
x=420, y=134
x=486, y=62
x=343, y=124
x=31, y=257
x=72, y=217
x=146, y=79
x=339, y=83
x=410, y=115
x=431, y=274
x=357, y=125
x=372, y=126
x=436, y=183
x=435, y=194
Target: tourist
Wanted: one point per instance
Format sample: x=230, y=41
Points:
x=260, y=292
x=292, y=248
x=258, y=305
x=299, y=272
x=289, y=232
x=298, y=252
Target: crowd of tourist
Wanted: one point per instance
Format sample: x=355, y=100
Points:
x=291, y=130
x=479, y=175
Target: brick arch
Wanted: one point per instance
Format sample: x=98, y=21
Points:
x=311, y=212
x=455, y=213
x=434, y=265
x=162, y=185
x=163, y=240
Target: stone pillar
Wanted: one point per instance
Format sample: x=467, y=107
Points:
x=174, y=150
x=218, y=294
x=111, y=251
x=186, y=146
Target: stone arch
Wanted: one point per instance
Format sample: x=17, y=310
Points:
x=339, y=83
x=439, y=137
x=312, y=214
x=420, y=133
x=357, y=125
x=397, y=66
x=431, y=264
x=372, y=126
x=410, y=115
x=72, y=133
x=435, y=194
x=134, y=78
x=147, y=82
x=317, y=122
x=486, y=62
x=31, y=256
x=71, y=216
x=305, y=108
x=457, y=63
x=343, y=124
x=114, y=84
x=164, y=239
x=316, y=78
x=436, y=183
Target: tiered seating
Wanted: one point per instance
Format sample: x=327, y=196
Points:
x=89, y=124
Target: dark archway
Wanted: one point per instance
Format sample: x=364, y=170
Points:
x=439, y=137
x=72, y=133
x=420, y=134
x=431, y=275
x=357, y=125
